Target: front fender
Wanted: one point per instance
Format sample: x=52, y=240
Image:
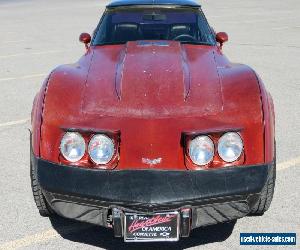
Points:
x=269, y=122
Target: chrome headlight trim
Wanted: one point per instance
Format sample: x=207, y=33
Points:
x=101, y=149
x=201, y=150
x=230, y=147
x=72, y=146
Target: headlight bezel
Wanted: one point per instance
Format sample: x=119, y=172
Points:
x=61, y=146
x=109, y=139
x=239, y=140
x=201, y=138
x=86, y=161
x=215, y=136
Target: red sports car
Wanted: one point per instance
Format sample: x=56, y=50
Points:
x=153, y=132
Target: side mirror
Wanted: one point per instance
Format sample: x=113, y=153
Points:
x=85, y=38
x=221, y=38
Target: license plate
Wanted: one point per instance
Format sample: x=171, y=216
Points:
x=153, y=227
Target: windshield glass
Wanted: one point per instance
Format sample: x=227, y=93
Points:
x=122, y=25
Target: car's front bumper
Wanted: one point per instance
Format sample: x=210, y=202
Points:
x=212, y=195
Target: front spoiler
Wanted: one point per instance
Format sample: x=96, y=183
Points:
x=213, y=195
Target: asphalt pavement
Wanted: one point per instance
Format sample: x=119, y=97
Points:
x=36, y=36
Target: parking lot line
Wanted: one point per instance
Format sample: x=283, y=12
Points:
x=33, y=53
x=287, y=164
x=7, y=44
x=13, y=41
x=42, y=237
x=12, y=123
x=22, y=77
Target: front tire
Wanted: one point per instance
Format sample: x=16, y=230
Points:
x=38, y=196
x=267, y=193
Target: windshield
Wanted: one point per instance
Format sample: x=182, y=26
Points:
x=122, y=25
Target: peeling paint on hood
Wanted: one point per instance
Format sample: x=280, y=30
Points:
x=136, y=80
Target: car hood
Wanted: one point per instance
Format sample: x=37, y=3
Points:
x=152, y=79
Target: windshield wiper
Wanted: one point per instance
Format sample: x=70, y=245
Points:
x=195, y=42
x=109, y=43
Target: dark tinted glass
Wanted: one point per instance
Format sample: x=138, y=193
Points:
x=184, y=25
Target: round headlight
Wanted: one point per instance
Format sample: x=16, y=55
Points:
x=101, y=149
x=230, y=147
x=72, y=146
x=201, y=150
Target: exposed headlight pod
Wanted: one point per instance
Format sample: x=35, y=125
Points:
x=101, y=149
x=230, y=147
x=72, y=146
x=201, y=150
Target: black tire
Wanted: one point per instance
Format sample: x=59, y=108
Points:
x=38, y=196
x=267, y=193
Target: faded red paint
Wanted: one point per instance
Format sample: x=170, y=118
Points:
x=37, y=116
x=153, y=95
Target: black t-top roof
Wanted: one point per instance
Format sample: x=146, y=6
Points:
x=117, y=3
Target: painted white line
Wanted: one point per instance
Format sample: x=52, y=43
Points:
x=14, y=41
x=289, y=163
x=42, y=237
x=13, y=123
x=281, y=28
x=33, y=53
x=10, y=44
x=266, y=45
x=22, y=77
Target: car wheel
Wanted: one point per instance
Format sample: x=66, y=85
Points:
x=38, y=196
x=267, y=193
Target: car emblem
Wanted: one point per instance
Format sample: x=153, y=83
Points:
x=151, y=162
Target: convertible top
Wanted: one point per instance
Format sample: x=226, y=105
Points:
x=119, y=3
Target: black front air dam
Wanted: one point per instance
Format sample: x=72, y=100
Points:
x=154, y=190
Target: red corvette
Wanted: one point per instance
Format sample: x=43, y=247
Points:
x=153, y=132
